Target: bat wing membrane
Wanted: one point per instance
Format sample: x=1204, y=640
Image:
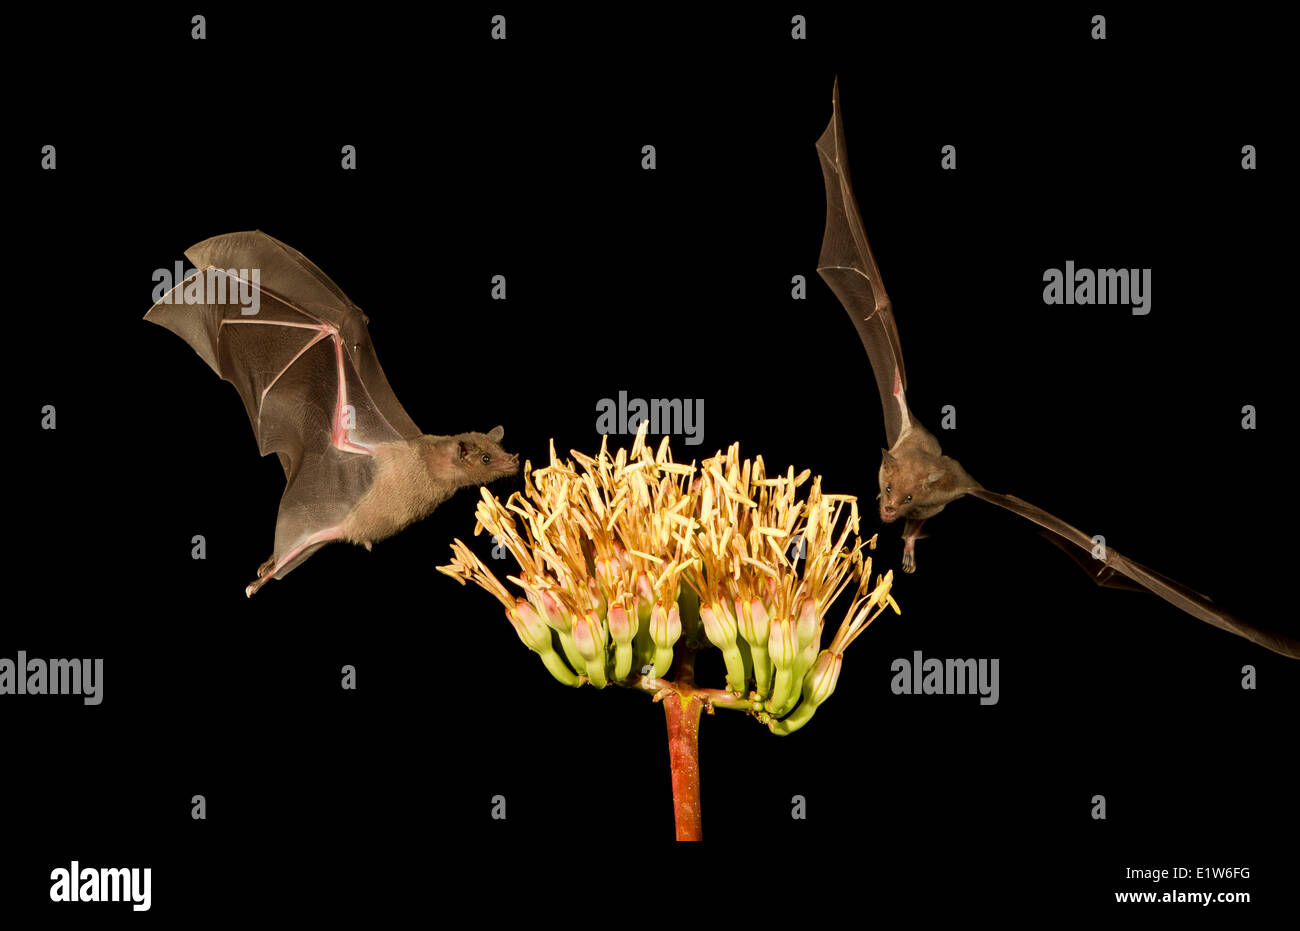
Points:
x=303, y=366
x=848, y=267
x=1135, y=575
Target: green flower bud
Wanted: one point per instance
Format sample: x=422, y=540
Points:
x=589, y=639
x=557, y=617
x=818, y=684
x=536, y=635
x=622, y=630
x=783, y=648
x=643, y=646
x=720, y=628
x=665, y=628
x=809, y=624
x=754, y=626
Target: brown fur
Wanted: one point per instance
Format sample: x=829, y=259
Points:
x=417, y=475
x=916, y=480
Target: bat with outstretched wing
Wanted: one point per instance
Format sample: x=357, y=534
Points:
x=357, y=468
x=916, y=480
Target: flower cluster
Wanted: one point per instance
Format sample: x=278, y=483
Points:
x=625, y=558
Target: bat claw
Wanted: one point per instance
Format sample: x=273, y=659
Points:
x=909, y=562
x=264, y=572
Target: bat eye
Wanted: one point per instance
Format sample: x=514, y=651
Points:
x=486, y=459
x=907, y=499
x=888, y=489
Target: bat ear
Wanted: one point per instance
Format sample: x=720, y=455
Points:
x=885, y=458
x=496, y=433
x=463, y=449
x=933, y=477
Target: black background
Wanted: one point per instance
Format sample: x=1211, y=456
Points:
x=522, y=158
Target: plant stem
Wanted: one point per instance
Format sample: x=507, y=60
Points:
x=714, y=698
x=682, y=709
x=683, y=712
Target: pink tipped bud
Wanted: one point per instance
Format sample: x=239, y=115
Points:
x=610, y=574
x=665, y=625
x=819, y=681
x=760, y=619
x=530, y=627
x=719, y=625
x=622, y=624
x=589, y=636
x=645, y=594
x=810, y=623
x=597, y=599
x=553, y=613
x=782, y=643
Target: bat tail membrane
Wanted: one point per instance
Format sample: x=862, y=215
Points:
x=1118, y=571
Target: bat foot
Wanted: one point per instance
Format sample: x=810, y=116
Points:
x=264, y=573
x=911, y=533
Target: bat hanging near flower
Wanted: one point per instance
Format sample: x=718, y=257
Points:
x=916, y=480
x=358, y=469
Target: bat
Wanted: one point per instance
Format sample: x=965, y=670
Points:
x=357, y=468
x=916, y=479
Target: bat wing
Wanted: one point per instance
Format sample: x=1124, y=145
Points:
x=847, y=265
x=1131, y=574
x=303, y=365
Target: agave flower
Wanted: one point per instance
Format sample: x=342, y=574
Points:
x=628, y=564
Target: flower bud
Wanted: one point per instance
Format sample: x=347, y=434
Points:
x=589, y=639
x=753, y=625
x=532, y=630
x=553, y=613
x=665, y=628
x=809, y=624
x=720, y=628
x=782, y=643
x=757, y=617
x=530, y=627
x=818, y=684
x=622, y=630
x=783, y=648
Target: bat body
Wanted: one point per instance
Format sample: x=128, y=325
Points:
x=297, y=349
x=916, y=480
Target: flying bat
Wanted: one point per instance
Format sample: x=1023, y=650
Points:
x=357, y=468
x=916, y=479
